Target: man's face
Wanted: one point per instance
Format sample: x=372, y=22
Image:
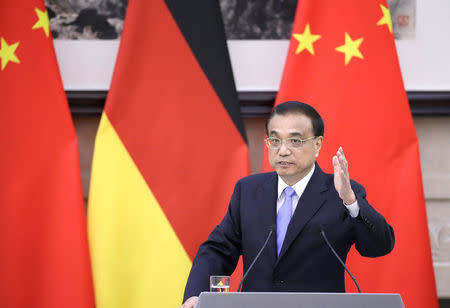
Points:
x=292, y=164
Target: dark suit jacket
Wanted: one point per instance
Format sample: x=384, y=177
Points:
x=305, y=264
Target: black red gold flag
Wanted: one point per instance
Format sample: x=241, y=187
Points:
x=170, y=147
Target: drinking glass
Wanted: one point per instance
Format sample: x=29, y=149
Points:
x=219, y=283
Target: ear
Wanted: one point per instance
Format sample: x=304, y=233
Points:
x=318, y=144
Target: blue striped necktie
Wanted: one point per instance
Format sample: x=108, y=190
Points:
x=284, y=217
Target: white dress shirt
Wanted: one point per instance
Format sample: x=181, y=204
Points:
x=299, y=188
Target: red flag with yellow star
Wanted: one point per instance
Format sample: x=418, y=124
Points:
x=44, y=259
x=342, y=60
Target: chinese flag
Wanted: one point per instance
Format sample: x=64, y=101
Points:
x=44, y=259
x=342, y=60
x=169, y=149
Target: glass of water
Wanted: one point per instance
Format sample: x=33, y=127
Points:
x=219, y=283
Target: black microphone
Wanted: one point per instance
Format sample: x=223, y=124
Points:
x=272, y=228
x=337, y=256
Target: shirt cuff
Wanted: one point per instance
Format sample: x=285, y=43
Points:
x=353, y=208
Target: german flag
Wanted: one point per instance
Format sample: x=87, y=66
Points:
x=169, y=149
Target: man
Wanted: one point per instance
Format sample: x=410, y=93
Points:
x=301, y=200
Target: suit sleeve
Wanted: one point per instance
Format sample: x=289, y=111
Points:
x=374, y=236
x=220, y=253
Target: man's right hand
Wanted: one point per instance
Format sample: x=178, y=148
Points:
x=190, y=302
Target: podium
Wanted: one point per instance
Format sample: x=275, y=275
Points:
x=298, y=300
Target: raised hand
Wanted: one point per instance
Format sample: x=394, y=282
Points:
x=342, y=178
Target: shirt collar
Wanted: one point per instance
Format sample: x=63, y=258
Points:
x=299, y=187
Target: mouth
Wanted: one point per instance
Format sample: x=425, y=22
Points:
x=284, y=164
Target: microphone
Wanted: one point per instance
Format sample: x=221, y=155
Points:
x=272, y=228
x=337, y=256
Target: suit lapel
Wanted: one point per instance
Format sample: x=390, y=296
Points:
x=310, y=202
x=267, y=197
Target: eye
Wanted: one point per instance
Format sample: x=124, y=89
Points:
x=295, y=141
x=274, y=141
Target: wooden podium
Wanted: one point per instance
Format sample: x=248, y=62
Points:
x=298, y=300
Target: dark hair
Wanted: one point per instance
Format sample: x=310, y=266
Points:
x=297, y=107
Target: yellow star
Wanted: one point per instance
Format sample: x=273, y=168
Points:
x=7, y=53
x=350, y=48
x=386, y=19
x=42, y=21
x=305, y=40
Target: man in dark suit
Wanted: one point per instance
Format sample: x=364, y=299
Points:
x=301, y=200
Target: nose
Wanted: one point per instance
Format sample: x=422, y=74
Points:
x=284, y=149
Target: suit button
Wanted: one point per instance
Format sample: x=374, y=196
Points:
x=281, y=281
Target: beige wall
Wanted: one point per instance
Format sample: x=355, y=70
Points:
x=434, y=142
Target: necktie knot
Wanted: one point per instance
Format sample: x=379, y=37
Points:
x=289, y=191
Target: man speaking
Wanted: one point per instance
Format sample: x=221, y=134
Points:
x=301, y=200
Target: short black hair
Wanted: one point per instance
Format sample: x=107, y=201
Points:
x=297, y=107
